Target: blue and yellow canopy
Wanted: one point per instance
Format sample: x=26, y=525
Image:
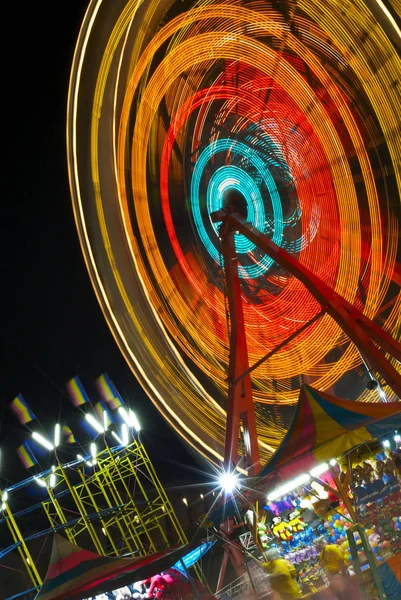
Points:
x=325, y=427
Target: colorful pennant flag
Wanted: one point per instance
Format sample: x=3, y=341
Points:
x=115, y=403
x=26, y=455
x=108, y=392
x=100, y=409
x=68, y=435
x=21, y=410
x=76, y=392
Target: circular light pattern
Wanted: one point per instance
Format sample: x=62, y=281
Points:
x=293, y=107
x=231, y=177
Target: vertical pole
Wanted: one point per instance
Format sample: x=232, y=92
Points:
x=89, y=526
x=138, y=515
x=355, y=562
x=372, y=563
x=97, y=509
x=239, y=402
x=195, y=591
x=181, y=537
x=125, y=524
x=222, y=572
x=60, y=514
x=134, y=472
x=250, y=577
x=126, y=534
x=22, y=548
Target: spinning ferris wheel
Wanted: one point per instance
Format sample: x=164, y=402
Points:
x=295, y=108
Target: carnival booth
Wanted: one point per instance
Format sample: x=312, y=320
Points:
x=335, y=476
x=77, y=574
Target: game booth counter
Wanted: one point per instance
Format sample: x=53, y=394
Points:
x=77, y=574
x=335, y=478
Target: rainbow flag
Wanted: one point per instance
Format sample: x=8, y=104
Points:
x=26, y=456
x=108, y=392
x=76, y=392
x=99, y=409
x=69, y=436
x=20, y=408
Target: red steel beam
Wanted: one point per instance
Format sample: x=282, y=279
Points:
x=240, y=407
x=363, y=332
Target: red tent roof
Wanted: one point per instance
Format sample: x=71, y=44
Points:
x=75, y=573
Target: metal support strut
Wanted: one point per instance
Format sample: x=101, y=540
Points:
x=240, y=408
x=364, y=333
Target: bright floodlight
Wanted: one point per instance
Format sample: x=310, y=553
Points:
x=117, y=437
x=125, y=415
x=52, y=481
x=105, y=420
x=386, y=443
x=40, y=482
x=93, y=450
x=228, y=481
x=397, y=438
x=129, y=418
x=134, y=421
x=42, y=441
x=286, y=488
x=319, y=470
x=94, y=423
x=119, y=440
x=333, y=462
x=125, y=434
x=56, y=435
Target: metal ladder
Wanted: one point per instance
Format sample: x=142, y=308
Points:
x=371, y=561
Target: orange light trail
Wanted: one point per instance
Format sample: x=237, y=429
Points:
x=313, y=91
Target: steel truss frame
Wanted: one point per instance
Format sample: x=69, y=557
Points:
x=115, y=498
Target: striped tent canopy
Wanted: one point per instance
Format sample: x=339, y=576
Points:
x=325, y=427
x=75, y=573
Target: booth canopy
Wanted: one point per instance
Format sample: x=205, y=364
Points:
x=75, y=573
x=325, y=427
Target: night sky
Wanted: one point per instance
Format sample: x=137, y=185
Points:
x=52, y=326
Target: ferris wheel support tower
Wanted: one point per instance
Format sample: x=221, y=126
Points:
x=370, y=339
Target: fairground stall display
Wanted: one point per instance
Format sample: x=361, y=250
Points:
x=334, y=481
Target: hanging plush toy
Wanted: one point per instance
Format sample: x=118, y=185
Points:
x=389, y=466
x=155, y=586
x=367, y=472
x=296, y=522
x=262, y=534
x=379, y=468
x=282, y=529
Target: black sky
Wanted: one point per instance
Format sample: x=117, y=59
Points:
x=52, y=326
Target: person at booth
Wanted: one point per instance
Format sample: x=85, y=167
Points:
x=331, y=557
x=332, y=560
x=282, y=576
